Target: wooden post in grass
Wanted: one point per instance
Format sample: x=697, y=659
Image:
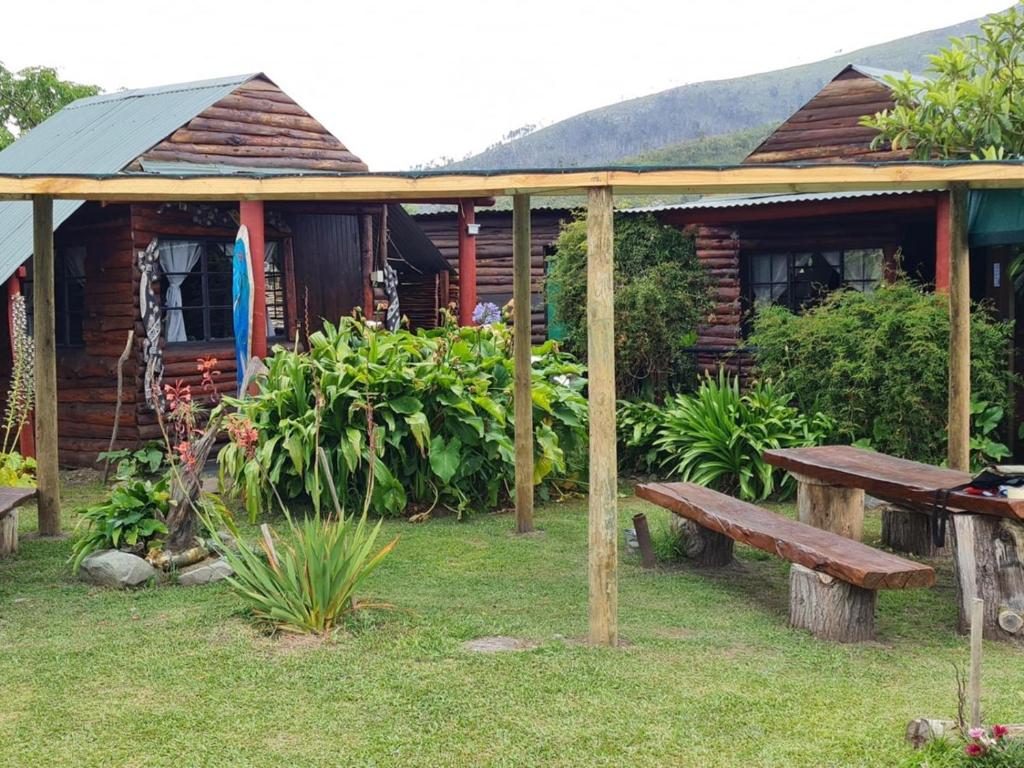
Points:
x=959, y=426
x=523, y=363
x=44, y=332
x=974, y=679
x=603, y=517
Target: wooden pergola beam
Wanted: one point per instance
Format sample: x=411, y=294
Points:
x=375, y=187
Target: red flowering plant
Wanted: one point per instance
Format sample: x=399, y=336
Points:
x=181, y=425
x=993, y=747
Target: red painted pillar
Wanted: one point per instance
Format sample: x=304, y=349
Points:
x=467, y=262
x=27, y=441
x=943, y=243
x=252, y=217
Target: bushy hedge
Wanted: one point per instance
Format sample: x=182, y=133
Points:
x=877, y=364
x=661, y=294
x=441, y=406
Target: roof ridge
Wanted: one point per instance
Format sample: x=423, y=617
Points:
x=196, y=85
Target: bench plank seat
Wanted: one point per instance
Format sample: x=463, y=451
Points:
x=813, y=548
x=889, y=478
x=12, y=498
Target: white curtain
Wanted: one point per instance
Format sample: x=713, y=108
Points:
x=176, y=257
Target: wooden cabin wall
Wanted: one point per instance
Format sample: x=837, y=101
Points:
x=494, y=257
x=257, y=125
x=721, y=250
x=827, y=130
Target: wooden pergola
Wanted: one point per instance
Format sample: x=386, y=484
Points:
x=599, y=185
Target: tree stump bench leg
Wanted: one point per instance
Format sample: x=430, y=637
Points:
x=9, y=533
x=830, y=507
x=829, y=608
x=906, y=529
x=702, y=546
x=988, y=558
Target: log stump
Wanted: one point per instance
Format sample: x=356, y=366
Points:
x=703, y=547
x=989, y=563
x=830, y=507
x=829, y=608
x=9, y=533
x=909, y=529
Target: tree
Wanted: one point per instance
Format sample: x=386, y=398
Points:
x=971, y=103
x=661, y=294
x=30, y=95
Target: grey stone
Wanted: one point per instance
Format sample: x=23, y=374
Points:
x=114, y=568
x=206, y=572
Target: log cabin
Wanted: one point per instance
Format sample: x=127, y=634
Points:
x=318, y=259
x=492, y=251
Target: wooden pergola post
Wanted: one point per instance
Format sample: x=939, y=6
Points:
x=959, y=425
x=44, y=333
x=603, y=511
x=523, y=363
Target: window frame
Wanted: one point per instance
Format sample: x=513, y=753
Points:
x=62, y=279
x=202, y=269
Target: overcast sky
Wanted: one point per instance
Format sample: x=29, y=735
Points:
x=404, y=82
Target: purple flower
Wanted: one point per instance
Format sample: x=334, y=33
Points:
x=486, y=314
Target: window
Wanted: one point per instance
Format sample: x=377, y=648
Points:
x=196, y=289
x=69, y=294
x=798, y=280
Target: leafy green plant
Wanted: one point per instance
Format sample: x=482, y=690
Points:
x=148, y=461
x=638, y=423
x=17, y=471
x=986, y=419
x=430, y=413
x=716, y=436
x=877, y=364
x=661, y=294
x=130, y=518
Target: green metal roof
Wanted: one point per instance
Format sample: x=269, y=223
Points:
x=99, y=135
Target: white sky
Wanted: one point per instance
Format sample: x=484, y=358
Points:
x=402, y=82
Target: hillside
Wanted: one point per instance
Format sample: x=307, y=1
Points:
x=723, y=149
x=638, y=126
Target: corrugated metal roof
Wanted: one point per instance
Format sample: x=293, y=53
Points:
x=748, y=201
x=880, y=75
x=408, y=243
x=178, y=168
x=97, y=135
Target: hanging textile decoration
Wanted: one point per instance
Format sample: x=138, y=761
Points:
x=394, y=316
x=149, y=310
x=241, y=302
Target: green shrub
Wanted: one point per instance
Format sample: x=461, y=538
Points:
x=716, y=436
x=877, y=364
x=638, y=424
x=148, y=461
x=431, y=410
x=661, y=294
x=130, y=518
x=17, y=471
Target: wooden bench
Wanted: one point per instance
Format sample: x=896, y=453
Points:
x=10, y=500
x=833, y=581
x=987, y=531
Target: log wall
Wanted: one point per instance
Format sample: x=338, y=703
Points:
x=827, y=128
x=258, y=125
x=494, y=256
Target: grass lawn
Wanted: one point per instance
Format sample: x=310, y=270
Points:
x=711, y=676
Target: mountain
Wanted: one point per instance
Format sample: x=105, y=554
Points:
x=638, y=126
x=723, y=149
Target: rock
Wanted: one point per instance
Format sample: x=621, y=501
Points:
x=114, y=568
x=208, y=571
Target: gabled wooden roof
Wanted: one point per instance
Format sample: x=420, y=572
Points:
x=827, y=128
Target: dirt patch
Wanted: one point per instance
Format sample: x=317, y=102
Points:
x=498, y=644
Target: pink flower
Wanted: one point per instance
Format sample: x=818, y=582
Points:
x=1000, y=731
x=974, y=749
x=976, y=733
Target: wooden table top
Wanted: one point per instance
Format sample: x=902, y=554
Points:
x=890, y=478
x=14, y=497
